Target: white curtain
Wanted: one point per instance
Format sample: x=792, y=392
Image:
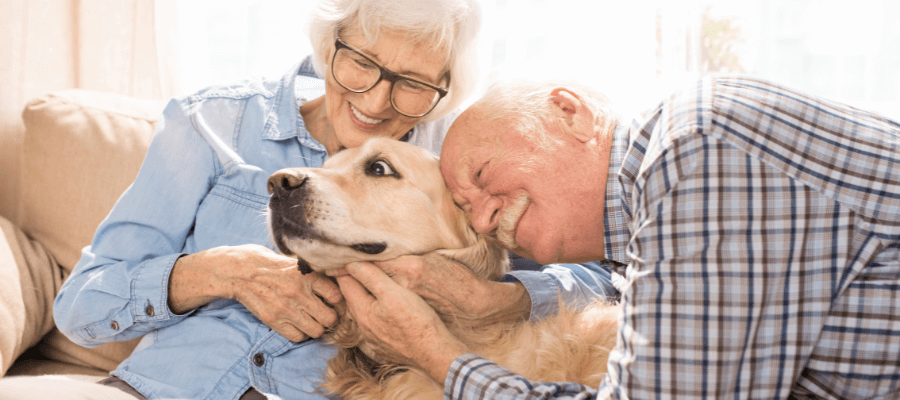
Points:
x=118, y=46
x=636, y=52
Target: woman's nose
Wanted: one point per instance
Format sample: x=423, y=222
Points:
x=378, y=98
x=486, y=214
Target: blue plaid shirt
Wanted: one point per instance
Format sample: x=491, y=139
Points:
x=761, y=232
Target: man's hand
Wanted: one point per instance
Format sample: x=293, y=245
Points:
x=452, y=289
x=395, y=318
x=268, y=284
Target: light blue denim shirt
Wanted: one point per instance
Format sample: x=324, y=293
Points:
x=203, y=185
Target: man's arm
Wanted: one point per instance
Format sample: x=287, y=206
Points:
x=452, y=289
x=399, y=320
x=577, y=285
x=473, y=377
x=531, y=293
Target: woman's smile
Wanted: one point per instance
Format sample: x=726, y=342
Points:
x=362, y=118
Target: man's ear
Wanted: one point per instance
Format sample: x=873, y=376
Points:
x=574, y=113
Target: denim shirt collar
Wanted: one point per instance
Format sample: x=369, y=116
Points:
x=284, y=120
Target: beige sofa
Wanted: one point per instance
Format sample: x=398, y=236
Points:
x=80, y=151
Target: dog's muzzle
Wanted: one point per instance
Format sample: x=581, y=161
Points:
x=289, y=194
x=290, y=218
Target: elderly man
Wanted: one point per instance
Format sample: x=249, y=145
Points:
x=760, y=228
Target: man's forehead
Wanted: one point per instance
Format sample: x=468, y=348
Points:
x=473, y=149
x=457, y=168
x=472, y=139
x=475, y=129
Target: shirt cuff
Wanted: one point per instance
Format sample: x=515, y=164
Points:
x=468, y=374
x=542, y=290
x=150, y=293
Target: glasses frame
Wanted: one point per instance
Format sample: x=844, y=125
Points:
x=387, y=75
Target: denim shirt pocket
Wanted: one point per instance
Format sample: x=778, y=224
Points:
x=230, y=216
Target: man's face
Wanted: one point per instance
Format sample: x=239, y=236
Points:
x=546, y=205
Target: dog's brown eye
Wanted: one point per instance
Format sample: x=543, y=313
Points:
x=380, y=168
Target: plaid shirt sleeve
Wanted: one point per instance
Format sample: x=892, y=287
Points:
x=472, y=377
x=763, y=254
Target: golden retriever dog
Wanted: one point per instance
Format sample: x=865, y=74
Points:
x=387, y=199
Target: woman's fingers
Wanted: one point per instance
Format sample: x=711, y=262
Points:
x=289, y=302
x=313, y=307
x=290, y=332
x=327, y=289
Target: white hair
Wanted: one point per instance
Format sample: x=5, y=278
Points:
x=450, y=25
x=526, y=105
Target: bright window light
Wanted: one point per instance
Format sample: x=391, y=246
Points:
x=636, y=52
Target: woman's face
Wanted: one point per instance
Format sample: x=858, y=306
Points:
x=359, y=116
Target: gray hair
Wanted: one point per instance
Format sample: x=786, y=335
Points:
x=526, y=105
x=450, y=25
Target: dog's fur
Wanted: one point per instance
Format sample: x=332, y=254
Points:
x=387, y=199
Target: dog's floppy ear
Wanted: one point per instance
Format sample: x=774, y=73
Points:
x=482, y=255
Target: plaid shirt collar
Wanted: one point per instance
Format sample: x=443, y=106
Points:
x=616, y=220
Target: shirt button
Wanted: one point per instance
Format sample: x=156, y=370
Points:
x=149, y=310
x=258, y=359
x=114, y=325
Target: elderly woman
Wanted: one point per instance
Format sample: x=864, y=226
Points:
x=184, y=258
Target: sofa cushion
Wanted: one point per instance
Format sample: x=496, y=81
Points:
x=81, y=150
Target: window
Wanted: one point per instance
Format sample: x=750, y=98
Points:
x=635, y=52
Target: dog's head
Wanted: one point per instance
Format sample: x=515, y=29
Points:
x=375, y=202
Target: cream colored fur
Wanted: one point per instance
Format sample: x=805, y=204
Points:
x=571, y=347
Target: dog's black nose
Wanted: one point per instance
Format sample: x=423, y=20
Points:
x=287, y=179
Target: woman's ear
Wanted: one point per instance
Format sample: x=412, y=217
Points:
x=575, y=115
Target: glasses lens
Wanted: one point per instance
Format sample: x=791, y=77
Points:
x=413, y=98
x=353, y=71
x=359, y=74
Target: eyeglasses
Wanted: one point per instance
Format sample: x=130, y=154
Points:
x=358, y=73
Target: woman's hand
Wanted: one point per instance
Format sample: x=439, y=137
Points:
x=394, y=318
x=268, y=284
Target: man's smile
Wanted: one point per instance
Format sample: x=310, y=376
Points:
x=507, y=227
